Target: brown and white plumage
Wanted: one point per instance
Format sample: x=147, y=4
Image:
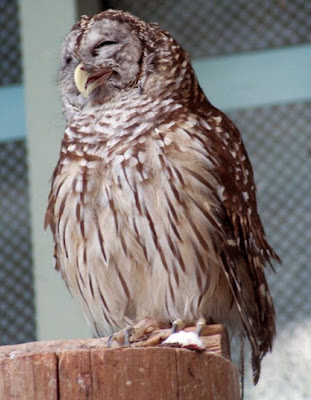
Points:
x=153, y=205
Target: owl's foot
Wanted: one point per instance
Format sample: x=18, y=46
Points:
x=135, y=333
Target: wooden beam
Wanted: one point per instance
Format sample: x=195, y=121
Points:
x=88, y=370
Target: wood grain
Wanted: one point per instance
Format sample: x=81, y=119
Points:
x=88, y=370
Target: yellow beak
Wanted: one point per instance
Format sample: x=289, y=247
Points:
x=87, y=82
x=81, y=77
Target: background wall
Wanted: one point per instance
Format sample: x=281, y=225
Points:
x=253, y=61
x=17, y=317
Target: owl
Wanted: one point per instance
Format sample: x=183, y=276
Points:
x=153, y=202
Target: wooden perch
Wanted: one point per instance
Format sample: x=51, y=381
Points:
x=88, y=370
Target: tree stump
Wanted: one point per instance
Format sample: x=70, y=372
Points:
x=88, y=370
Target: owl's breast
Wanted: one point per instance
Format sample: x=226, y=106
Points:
x=138, y=207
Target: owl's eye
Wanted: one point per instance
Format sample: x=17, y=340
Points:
x=103, y=44
x=68, y=60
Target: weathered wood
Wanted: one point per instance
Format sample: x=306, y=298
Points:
x=88, y=370
x=29, y=376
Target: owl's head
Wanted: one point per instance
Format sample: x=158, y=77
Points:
x=114, y=52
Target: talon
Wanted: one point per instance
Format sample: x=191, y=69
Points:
x=109, y=341
x=200, y=324
x=177, y=325
x=127, y=336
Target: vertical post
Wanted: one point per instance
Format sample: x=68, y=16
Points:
x=44, y=25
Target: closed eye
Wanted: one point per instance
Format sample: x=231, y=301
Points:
x=103, y=44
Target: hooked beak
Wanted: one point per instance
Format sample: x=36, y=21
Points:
x=87, y=82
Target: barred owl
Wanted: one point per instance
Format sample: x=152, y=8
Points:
x=152, y=203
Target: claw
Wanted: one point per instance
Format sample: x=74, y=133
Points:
x=127, y=336
x=177, y=325
x=136, y=333
x=200, y=325
x=109, y=341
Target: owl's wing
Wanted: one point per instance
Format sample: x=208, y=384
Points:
x=217, y=160
x=244, y=249
x=49, y=218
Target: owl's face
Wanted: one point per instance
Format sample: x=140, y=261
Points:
x=110, y=55
x=113, y=52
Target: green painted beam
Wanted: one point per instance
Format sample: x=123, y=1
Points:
x=258, y=78
x=12, y=112
x=230, y=82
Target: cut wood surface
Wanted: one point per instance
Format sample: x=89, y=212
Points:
x=87, y=369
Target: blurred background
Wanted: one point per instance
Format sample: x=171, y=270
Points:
x=253, y=60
